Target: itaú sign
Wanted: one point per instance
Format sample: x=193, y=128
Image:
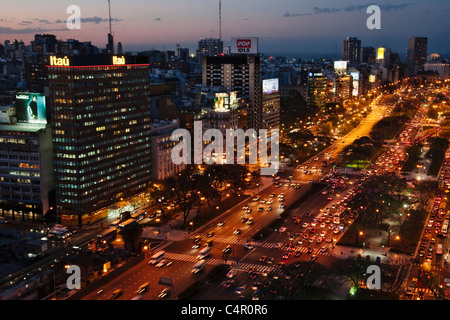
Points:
x=118, y=61
x=60, y=62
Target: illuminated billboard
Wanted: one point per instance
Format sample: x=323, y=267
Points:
x=30, y=108
x=355, y=76
x=340, y=65
x=380, y=53
x=225, y=101
x=270, y=86
x=246, y=45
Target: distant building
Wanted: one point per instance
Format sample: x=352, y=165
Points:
x=209, y=47
x=351, y=50
x=162, y=165
x=417, y=54
x=240, y=73
x=439, y=67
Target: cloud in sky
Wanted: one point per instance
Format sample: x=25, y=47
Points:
x=4, y=30
x=95, y=20
x=349, y=8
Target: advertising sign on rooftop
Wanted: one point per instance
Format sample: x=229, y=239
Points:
x=270, y=86
x=30, y=108
x=244, y=45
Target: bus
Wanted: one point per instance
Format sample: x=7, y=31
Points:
x=444, y=229
x=138, y=215
x=439, y=249
x=126, y=223
x=107, y=235
x=157, y=257
x=198, y=266
x=115, y=223
x=204, y=253
x=59, y=231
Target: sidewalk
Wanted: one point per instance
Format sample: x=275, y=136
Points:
x=375, y=250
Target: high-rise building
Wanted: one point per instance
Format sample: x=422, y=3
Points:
x=210, y=47
x=240, y=73
x=26, y=161
x=351, y=50
x=417, y=53
x=100, y=111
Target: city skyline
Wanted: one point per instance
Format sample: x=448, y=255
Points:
x=289, y=27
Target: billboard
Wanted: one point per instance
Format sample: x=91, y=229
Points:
x=225, y=101
x=340, y=65
x=270, y=86
x=246, y=45
x=30, y=108
x=380, y=53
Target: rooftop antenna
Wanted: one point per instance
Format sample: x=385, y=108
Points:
x=220, y=19
x=109, y=6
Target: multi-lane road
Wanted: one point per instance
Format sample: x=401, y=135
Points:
x=232, y=230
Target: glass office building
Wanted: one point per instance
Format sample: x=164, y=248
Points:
x=101, y=127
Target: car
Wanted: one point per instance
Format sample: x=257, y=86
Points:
x=221, y=224
x=269, y=208
x=323, y=249
x=285, y=256
x=240, y=290
x=313, y=258
x=162, y=263
x=256, y=286
x=115, y=294
x=249, y=221
x=282, y=229
x=298, y=253
x=142, y=289
x=248, y=246
x=260, y=209
x=197, y=239
x=328, y=240
x=319, y=240
x=305, y=225
x=323, y=233
x=210, y=234
x=282, y=206
x=196, y=246
x=228, y=283
x=230, y=274
x=227, y=249
x=165, y=293
x=310, y=250
x=263, y=259
x=237, y=231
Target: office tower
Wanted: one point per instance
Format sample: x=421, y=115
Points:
x=271, y=104
x=101, y=132
x=240, y=73
x=210, y=47
x=417, y=53
x=110, y=44
x=367, y=54
x=26, y=162
x=351, y=50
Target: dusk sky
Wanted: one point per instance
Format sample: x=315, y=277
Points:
x=283, y=26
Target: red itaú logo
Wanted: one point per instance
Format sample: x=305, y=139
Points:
x=244, y=43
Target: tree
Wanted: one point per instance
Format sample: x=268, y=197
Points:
x=131, y=236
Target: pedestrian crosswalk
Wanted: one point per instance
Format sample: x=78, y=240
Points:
x=221, y=239
x=268, y=245
x=243, y=266
x=190, y=258
x=302, y=249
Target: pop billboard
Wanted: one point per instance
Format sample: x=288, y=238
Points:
x=270, y=86
x=30, y=108
x=246, y=45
